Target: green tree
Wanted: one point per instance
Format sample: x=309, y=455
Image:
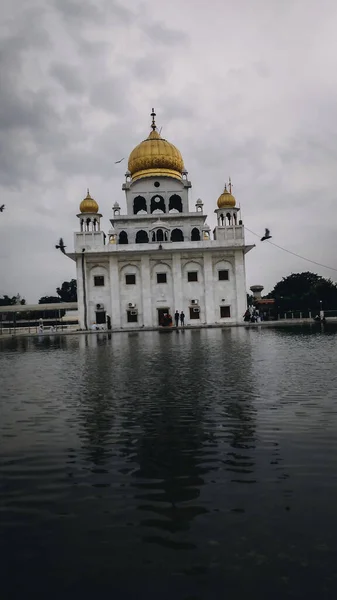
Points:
x=303, y=291
x=49, y=300
x=68, y=291
x=10, y=301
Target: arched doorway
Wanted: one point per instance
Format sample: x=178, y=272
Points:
x=157, y=203
x=142, y=237
x=177, y=235
x=195, y=235
x=123, y=238
x=139, y=204
x=175, y=203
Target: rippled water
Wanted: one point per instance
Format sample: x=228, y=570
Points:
x=198, y=464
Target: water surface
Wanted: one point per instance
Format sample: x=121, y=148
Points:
x=198, y=464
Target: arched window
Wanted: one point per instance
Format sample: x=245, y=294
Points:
x=222, y=219
x=95, y=225
x=234, y=219
x=177, y=235
x=157, y=203
x=88, y=221
x=139, y=203
x=229, y=218
x=195, y=235
x=160, y=235
x=153, y=236
x=142, y=237
x=81, y=224
x=123, y=238
x=175, y=203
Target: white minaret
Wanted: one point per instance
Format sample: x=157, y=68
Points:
x=229, y=226
x=89, y=216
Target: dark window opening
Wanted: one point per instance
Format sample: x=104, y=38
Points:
x=132, y=316
x=156, y=184
x=195, y=235
x=225, y=312
x=192, y=276
x=161, y=278
x=139, y=203
x=142, y=237
x=229, y=218
x=157, y=202
x=130, y=279
x=177, y=235
x=100, y=317
x=160, y=235
x=194, y=313
x=223, y=275
x=98, y=280
x=175, y=203
x=123, y=238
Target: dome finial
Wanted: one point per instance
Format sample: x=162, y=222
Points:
x=230, y=185
x=153, y=125
x=88, y=193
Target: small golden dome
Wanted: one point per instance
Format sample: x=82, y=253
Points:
x=88, y=205
x=155, y=157
x=226, y=200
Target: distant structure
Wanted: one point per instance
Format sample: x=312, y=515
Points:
x=257, y=291
x=266, y=306
x=159, y=257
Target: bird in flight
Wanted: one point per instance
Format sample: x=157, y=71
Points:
x=2, y=208
x=61, y=246
x=119, y=161
x=266, y=236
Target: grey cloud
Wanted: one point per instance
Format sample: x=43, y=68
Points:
x=111, y=95
x=159, y=33
x=68, y=77
x=147, y=70
x=92, y=13
x=78, y=10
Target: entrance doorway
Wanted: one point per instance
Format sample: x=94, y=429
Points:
x=163, y=317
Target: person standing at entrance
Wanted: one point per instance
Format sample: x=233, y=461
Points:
x=176, y=317
x=182, y=318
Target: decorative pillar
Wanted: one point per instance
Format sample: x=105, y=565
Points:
x=241, y=293
x=177, y=284
x=209, y=286
x=115, y=307
x=146, y=291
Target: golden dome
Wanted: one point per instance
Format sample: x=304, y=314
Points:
x=88, y=205
x=226, y=200
x=155, y=157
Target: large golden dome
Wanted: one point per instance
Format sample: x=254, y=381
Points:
x=155, y=157
x=88, y=205
x=226, y=200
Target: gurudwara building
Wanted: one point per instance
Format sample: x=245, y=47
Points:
x=160, y=257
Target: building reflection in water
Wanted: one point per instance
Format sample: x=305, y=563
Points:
x=97, y=408
x=193, y=406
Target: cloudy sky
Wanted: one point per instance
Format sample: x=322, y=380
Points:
x=246, y=88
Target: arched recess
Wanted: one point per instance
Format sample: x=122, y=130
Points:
x=139, y=204
x=195, y=235
x=177, y=235
x=123, y=238
x=175, y=203
x=157, y=203
x=160, y=235
x=229, y=218
x=142, y=237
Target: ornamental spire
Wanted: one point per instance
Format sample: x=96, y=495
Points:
x=153, y=125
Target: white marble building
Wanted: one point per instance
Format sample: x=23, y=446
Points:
x=160, y=257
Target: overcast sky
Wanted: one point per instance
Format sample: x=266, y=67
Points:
x=246, y=88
